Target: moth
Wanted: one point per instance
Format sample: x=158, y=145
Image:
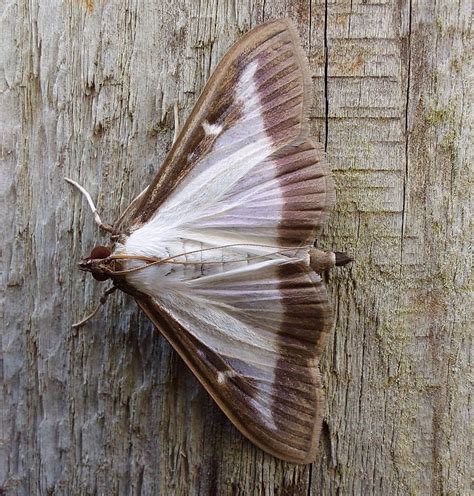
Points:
x=219, y=250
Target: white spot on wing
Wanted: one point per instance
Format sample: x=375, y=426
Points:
x=211, y=129
x=223, y=376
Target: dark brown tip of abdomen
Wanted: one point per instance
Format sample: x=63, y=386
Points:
x=342, y=258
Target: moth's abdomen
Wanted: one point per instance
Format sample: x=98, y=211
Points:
x=183, y=260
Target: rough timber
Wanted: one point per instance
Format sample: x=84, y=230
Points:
x=87, y=91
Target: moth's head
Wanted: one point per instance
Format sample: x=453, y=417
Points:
x=97, y=263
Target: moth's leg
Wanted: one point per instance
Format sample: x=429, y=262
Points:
x=102, y=301
x=97, y=218
x=176, y=121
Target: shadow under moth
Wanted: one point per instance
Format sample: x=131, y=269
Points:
x=218, y=250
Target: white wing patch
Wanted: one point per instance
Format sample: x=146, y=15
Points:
x=210, y=306
x=235, y=313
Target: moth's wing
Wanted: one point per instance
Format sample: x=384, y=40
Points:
x=253, y=336
x=245, y=147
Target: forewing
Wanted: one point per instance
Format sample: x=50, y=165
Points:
x=253, y=106
x=253, y=336
x=243, y=170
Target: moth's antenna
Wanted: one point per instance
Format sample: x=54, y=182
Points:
x=97, y=218
x=102, y=301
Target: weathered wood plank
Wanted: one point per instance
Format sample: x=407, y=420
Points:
x=87, y=90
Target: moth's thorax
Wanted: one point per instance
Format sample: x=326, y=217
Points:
x=99, y=263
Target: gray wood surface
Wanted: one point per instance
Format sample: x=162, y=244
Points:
x=86, y=91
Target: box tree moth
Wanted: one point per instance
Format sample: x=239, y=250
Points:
x=218, y=250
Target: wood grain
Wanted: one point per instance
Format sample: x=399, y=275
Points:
x=87, y=92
